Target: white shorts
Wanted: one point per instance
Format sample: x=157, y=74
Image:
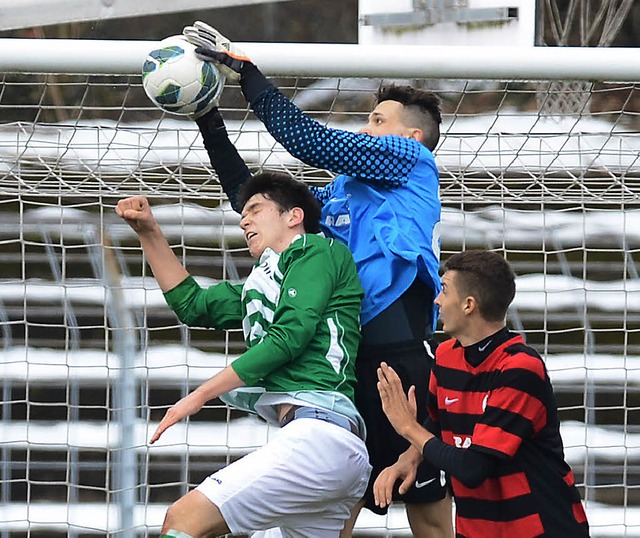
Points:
x=304, y=481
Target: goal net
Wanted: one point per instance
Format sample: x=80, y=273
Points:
x=92, y=357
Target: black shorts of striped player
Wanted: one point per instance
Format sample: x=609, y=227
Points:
x=297, y=411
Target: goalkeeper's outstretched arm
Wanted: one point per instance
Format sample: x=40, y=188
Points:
x=231, y=170
x=374, y=159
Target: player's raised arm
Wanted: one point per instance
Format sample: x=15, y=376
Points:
x=343, y=152
x=166, y=267
x=231, y=170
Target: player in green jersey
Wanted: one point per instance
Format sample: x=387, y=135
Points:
x=299, y=310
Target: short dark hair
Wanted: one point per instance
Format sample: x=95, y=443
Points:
x=422, y=110
x=486, y=276
x=287, y=193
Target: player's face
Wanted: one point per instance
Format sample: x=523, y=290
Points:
x=452, y=306
x=386, y=119
x=264, y=225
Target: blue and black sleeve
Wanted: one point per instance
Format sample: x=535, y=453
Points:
x=382, y=160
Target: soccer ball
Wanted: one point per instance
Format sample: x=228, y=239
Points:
x=177, y=81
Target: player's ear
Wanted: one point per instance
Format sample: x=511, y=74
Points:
x=469, y=305
x=417, y=134
x=296, y=217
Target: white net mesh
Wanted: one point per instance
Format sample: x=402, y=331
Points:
x=577, y=23
x=92, y=357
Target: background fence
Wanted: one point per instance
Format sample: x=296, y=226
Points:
x=536, y=159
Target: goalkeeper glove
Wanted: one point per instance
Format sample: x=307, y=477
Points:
x=212, y=45
x=227, y=62
x=252, y=81
x=211, y=42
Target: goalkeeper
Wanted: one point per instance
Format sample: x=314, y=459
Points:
x=299, y=310
x=384, y=205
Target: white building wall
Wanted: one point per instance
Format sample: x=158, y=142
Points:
x=518, y=32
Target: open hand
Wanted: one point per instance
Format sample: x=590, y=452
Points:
x=189, y=405
x=399, y=408
x=404, y=469
x=212, y=45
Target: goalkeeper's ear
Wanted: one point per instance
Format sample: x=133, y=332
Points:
x=417, y=134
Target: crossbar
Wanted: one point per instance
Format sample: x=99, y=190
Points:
x=80, y=56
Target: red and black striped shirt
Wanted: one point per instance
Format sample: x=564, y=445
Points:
x=495, y=397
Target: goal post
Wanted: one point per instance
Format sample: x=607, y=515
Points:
x=338, y=60
x=91, y=357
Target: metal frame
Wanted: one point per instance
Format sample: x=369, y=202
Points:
x=76, y=56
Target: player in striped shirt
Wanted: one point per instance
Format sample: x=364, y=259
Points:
x=493, y=421
x=299, y=311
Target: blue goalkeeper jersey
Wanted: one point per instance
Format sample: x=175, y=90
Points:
x=384, y=204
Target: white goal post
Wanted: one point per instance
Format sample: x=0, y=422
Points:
x=90, y=356
x=338, y=60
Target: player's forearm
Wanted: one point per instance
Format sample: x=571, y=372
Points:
x=342, y=152
x=224, y=157
x=416, y=435
x=468, y=466
x=253, y=83
x=285, y=122
x=412, y=456
x=166, y=267
x=276, y=349
x=471, y=467
x=221, y=383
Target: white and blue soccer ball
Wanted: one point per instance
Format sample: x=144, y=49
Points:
x=177, y=81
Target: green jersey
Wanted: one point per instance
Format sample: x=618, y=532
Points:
x=299, y=311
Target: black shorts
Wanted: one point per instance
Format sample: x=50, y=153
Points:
x=413, y=365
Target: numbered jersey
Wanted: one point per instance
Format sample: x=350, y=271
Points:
x=496, y=398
